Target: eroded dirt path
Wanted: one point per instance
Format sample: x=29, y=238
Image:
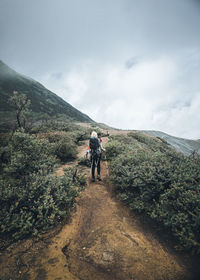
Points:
x=103, y=241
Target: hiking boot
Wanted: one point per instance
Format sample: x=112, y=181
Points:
x=99, y=178
x=93, y=179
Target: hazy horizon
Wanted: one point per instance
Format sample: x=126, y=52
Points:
x=129, y=64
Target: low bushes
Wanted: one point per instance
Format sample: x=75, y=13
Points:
x=152, y=178
x=32, y=198
x=84, y=161
x=64, y=146
x=65, y=149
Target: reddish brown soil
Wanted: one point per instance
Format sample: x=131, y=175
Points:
x=103, y=241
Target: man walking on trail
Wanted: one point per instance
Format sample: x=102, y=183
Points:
x=95, y=146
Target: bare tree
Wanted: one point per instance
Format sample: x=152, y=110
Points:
x=21, y=104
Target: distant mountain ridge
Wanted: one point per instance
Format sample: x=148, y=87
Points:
x=43, y=101
x=185, y=146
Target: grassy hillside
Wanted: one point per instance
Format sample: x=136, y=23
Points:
x=185, y=146
x=42, y=100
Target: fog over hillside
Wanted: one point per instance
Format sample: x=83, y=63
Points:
x=132, y=64
x=185, y=146
x=43, y=101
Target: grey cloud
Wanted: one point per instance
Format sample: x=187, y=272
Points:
x=114, y=50
x=131, y=62
x=52, y=33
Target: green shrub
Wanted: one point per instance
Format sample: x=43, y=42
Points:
x=28, y=155
x=114, y=148
x=154, y=179
x=63, y=145
x=32, y=198
x=78, y=179
x=141, y=176
x=84, y=161
x=66, y=149
x=36, y=207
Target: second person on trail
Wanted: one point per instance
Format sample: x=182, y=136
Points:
x=95, y=147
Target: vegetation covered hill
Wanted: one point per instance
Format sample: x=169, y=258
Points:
x=43, y=101
x=104, y=239
x=185, y=146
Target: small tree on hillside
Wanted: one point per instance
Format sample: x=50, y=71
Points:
x=21, y=104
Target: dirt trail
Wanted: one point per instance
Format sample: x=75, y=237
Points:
x=102, y=241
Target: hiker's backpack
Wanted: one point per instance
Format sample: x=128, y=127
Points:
x=94, y=145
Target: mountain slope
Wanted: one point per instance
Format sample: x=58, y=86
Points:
x=43, y=101
x=185, y=146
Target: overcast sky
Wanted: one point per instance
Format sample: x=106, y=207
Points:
x=127, y=63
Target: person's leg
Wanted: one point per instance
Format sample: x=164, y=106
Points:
x=93, y=167
x=99, y=167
